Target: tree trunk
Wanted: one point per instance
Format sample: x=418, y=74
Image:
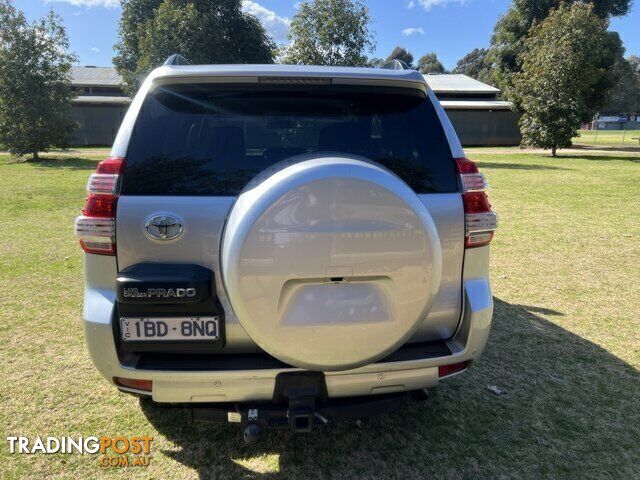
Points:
x=553, y=151
x=35, y=158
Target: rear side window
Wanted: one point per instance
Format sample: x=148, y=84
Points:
x=212, y=139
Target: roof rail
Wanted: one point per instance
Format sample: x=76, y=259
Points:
x=396, y=64
x=176, y=59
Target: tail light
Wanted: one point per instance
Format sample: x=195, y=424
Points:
x=96, y=227
x=479, y=221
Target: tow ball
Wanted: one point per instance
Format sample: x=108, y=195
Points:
x=299, y=391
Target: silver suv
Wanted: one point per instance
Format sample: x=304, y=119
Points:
x=280, y=245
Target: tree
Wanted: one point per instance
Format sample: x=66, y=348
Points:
x=560, y=70
x=512, y=29
x=203, y=31
x=634, y=61
x=329, y=32
x=429, y=63
x=35, y=83
x=475, y=64
x=400, y=53
x=374, y=62
x=625, y=95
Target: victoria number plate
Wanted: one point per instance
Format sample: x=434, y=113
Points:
x=137, y=329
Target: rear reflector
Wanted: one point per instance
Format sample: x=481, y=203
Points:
x=480, y=221
x=447, y=370
x=144, y=385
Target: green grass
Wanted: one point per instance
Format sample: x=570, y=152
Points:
x=615, y=138
x=565, y=345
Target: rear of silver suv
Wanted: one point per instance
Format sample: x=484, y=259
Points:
x=266, y=234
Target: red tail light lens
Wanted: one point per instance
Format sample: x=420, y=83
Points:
x=480, y=221
x=112, y=165
x=95, y=229
x=476, y=202
x=465, y=166
x=103, y=206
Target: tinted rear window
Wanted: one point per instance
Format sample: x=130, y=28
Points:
x=212, y=139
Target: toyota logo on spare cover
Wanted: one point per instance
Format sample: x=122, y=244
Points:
x=164, y=227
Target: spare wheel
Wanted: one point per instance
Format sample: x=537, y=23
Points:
x=330, y=262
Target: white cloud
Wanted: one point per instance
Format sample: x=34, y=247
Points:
x=407, y=32
x=427, y=4
x=95, y=49
x=275, y=25
x=89, y=3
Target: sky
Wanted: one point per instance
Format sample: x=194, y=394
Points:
x=451, y=28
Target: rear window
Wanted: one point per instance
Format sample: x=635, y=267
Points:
x=212, y=139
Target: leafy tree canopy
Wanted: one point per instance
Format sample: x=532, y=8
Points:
x=476, y=64
x=35, y=83
x=511, y=30
x=329, y=32
x=400, y=53
x=429, y=63
x=625, y=95
x=374, y=62
x=203, y=31
x=561, y=70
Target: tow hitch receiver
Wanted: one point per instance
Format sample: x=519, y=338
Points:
x=300, y=390
x=299, y=404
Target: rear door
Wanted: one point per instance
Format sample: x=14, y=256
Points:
x=194, y=147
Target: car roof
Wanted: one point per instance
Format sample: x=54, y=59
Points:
x=380, y=74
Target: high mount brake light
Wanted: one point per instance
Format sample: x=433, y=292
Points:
x=479, y=221
x=95, y=228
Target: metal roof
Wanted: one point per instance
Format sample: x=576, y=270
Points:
x=475, y=105
x=440, y=83
x=458, y=83
x=94, y=77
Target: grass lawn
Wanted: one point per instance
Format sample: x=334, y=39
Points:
x=565, y=345
x=616, y=138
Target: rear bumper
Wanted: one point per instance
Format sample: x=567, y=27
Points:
x=258, y=384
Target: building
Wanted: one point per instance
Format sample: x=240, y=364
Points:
x=100, y=105
x=476, y=113
x=474, y=110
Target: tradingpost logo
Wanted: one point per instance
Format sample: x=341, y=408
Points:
x=117, y=451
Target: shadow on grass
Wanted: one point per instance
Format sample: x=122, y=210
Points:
x=569, y=411
x=517, y=166
x=68, y=163
x=608, y=148
x=606, y=158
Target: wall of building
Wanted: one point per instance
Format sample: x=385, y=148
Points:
x=486, y=127
x=97, y=124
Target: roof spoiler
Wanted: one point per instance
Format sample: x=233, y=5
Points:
x=396, y=64
x=176, y=59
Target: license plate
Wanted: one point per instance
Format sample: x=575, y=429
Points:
x=169, y=328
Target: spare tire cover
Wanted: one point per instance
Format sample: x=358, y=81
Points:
x=330, y=262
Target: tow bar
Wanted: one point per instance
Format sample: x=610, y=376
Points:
x=300, y=404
